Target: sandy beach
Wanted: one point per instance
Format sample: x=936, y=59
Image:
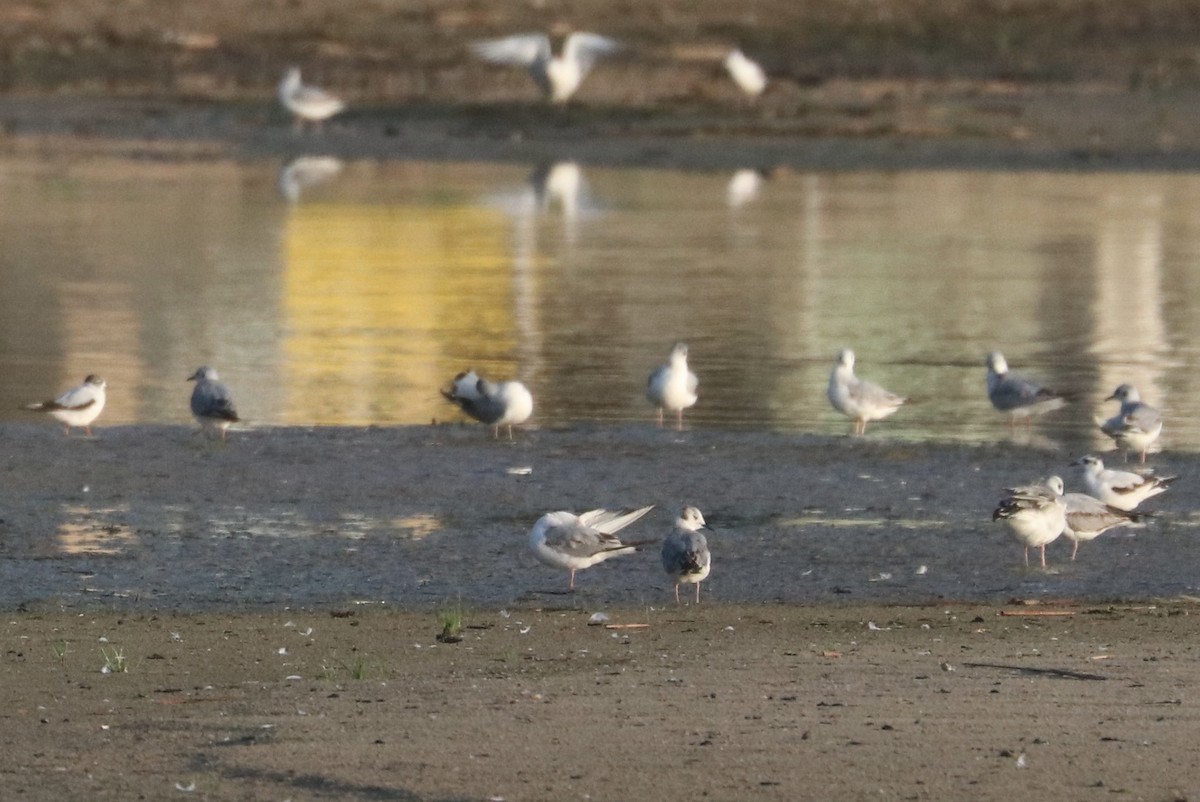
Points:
x=260, y=620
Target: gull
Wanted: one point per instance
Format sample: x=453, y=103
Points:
x=1088, y=518
x=1136, y=426
x=1036, y=513
x=306, y=171
x=855, y=398
x=685, y=555
x=557, y=77
x=747, y=74
x=506, y=403
x=78, y=406
x=743, y=187
x=1019, y=397
x=672, y=386
x=566, y=540
x=307, y=103
x=1124, y=490
x=212, y=403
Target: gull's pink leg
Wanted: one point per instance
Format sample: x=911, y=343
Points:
x=660, y=417
x=677, y=593
x=1043, y=548
x=697, y=593
x=1026, y=556
x=1074, y=550
x=572, y=585
x=679, y=420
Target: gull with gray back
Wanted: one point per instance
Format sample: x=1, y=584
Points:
x=685, y=555
x=1136, y=426
x=574, y=542
x=212, y=403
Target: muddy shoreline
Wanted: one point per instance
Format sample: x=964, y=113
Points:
x=762, y=701
x=154, y=518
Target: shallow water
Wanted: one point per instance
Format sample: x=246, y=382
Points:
x=350, y=299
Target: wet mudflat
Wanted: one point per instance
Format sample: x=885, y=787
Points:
x=155, y=518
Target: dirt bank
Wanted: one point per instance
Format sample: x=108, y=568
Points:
x=723, y=702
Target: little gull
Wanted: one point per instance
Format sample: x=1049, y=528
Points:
x=1019, y=397
x=496, y=404
x=1136, y=426
x=672, y=386
x=565, y=540
x=307, y=103
x=1088, y=518
x=685, y=555
x=860, y=400
x=212, y=403
x=1124, y=490
x=557, y=76
x=1036, y=513
x=78, y=406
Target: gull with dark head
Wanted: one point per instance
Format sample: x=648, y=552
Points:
x=1136, y=426
x=79, y=406
x=672, y=386
x=574, y=542
x=1020, y=398
x=308, y=104
x=1036, y=513
x=557, y=76
x=1088, y=518
x=212, y=403
x=685, y=555
x=857, y=399
x=506, y=403
x=1124, y=490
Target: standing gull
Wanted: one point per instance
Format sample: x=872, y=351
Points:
x=1036, y=514
x=1019, y=397
x=307, y=103
x=78, y=406
x=685, y=555
x=1124, y=490
x=565, y=540
x=1088, y=518
x=496, y=404
x=747, y=74
x=557, y=76
x=672, y=386
x=1136, y=426
x=212, y=403
x=857, y=399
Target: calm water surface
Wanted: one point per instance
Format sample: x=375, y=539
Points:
x=351, y=297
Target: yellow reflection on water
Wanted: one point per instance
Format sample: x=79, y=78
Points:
x=418, y=526
x=383, y=305
x=81, y=533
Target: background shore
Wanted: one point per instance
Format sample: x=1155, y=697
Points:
x=915, y=84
